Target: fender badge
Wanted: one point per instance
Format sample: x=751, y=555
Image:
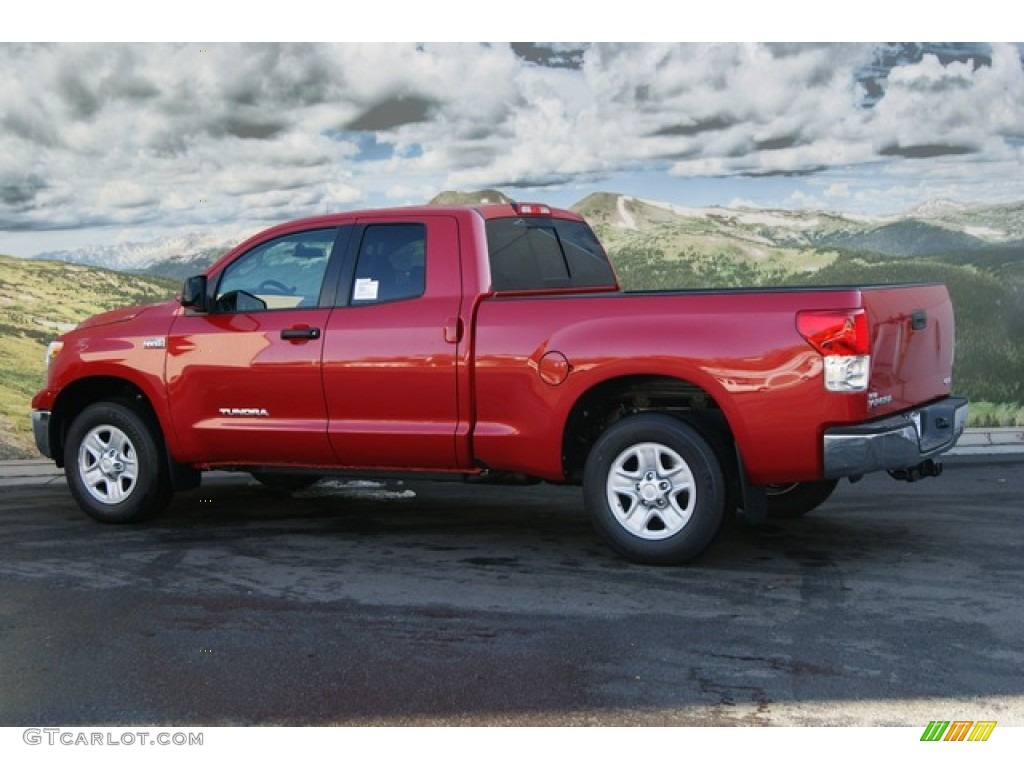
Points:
x=154, y=343
x=875, y=400
x=243, y=412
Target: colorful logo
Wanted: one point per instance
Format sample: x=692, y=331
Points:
x=958, y=730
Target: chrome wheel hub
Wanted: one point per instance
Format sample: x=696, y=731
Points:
x=651, y=491
x=108, y=465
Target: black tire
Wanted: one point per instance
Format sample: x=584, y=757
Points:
x=284, y=481
x=797, y=499
x=654, y=490
x=115, y=464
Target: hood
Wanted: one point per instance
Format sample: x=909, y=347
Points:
x=127, y=313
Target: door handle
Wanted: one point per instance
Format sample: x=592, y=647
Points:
x=453, y=329
x=300, y=334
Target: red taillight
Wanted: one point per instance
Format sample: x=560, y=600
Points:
x=835, y=332
x=841, y=338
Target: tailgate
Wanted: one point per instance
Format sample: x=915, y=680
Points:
x=912, y=342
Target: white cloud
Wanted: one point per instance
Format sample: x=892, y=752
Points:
x=801, y=199
x=339, y=193
x=739, y=202
x=125, y=194
x=931, y=104
x=837, y=191
x=115, y=134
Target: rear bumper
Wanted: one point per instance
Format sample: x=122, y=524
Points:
x=897, y=442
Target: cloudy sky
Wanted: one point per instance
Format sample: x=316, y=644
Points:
x=104, y=143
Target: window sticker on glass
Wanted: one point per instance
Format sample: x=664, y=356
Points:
x=366, y=289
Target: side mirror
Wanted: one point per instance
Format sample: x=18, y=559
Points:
x=193, y=293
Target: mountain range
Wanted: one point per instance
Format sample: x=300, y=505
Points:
x=171, y=256
x=624, y=220
x=937, y=227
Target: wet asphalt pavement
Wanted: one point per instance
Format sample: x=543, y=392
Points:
x=419, y=603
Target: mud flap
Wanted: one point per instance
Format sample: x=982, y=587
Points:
x=183, y=477
x=753, y=499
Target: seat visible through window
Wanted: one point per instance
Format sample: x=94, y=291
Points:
x=391, y=263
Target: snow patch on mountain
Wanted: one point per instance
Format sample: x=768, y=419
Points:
x=934, y=209
x=778, y=219
x=987, y=233
x=137, y=256
x=626, y=220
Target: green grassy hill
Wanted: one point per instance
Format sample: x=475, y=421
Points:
x=907, y=238
x=39, y=300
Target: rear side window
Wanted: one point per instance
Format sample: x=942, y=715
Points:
x=534, y=254
x=391, y=264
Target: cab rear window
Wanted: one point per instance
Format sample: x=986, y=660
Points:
x=545, y=253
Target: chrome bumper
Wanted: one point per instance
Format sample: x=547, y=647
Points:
x=41, y=431
x=897, y=442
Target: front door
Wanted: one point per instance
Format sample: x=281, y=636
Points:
x=244, y=379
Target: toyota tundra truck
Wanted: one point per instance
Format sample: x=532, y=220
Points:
x=493, y=342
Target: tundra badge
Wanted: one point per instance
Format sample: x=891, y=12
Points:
x=262, y=412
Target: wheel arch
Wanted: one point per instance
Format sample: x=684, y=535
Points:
x=608, y=401
x=77, y=396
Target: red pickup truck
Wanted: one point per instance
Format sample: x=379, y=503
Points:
x=494, y=342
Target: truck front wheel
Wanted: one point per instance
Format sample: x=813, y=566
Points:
x=114, y=464
x=654, y=489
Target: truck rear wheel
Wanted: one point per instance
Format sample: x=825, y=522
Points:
x=654, y=489
x=115, y=465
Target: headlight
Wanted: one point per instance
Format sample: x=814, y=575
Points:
x=52, y=350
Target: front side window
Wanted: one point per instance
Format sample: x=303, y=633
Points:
x=391, y=263
x=284, y=273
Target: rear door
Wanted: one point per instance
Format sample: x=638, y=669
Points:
x=244, y=380
x=393, y=347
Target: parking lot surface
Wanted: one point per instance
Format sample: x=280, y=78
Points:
x=360, y=602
